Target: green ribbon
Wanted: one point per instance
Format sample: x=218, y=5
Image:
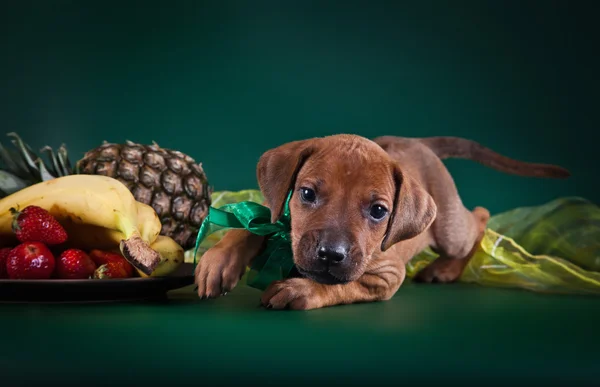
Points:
x=275, y=262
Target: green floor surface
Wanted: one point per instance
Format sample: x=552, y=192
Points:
x=426, y=333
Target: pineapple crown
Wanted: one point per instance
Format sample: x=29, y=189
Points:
x=21, y=167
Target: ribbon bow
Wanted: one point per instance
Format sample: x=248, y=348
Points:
x=276, y=261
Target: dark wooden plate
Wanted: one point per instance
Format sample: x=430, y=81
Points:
x=90, y=290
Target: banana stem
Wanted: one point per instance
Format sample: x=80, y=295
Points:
x=134, y=248
x=139, y=253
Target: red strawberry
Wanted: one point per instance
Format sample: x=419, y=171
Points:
x=35, y=224
x=101, y=257
x=3, y=258
x=30, y=260
x=75, y=264
x=110, y=270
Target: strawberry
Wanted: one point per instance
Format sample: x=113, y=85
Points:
x=101, y=257
x=75, y=264
x=30, y=260
x=110, y=270
x=35, y=224
x=3, y=258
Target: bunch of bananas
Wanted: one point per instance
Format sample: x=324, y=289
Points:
x=99, y=212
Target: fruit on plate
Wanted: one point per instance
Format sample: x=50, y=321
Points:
x=74, y=264
x=34, y=224
x=3, y=258
x=169, y=181
x=110, y=270
x=101, y=257
x=171, y=257
x=30, y=260
x=95, y=200
x=171, y=254
x=90, y=236
x=98, y=238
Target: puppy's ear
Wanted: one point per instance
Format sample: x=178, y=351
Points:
x=414, y=210
x=277, y=170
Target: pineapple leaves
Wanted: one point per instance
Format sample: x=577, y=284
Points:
x=10, y=183
x=44, y=174
x=60, y=161
x=12, y=162
x=26, y=153
x=56, y=168
x=25, y=164
x=63, y=159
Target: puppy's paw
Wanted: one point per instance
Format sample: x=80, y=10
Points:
x=293, y=293
x=217, y=273
x=442, y=270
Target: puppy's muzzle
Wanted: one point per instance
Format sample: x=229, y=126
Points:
x=325, y=257
x=333, y=253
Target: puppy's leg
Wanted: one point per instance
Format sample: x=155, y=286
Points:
x=456, y=231
x=222, y=266
x=457, y=236
x=380, y=282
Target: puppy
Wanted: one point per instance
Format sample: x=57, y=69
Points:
x=360, y=210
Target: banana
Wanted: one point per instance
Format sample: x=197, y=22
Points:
x=148, y=222
x=171, y=257
x=87, y=236
x=92, y=200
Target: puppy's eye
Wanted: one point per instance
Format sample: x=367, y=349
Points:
x=378, y=212
x=308, y=195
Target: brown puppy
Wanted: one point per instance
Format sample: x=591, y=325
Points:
x=360, y=211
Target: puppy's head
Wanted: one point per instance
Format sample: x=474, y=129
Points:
x=349, y=201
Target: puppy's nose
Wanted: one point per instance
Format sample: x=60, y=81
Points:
x=333, y=253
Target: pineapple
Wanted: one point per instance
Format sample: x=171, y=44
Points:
x=169, y=181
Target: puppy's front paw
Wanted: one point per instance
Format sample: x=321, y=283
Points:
x=294, y=293
x=217, y=273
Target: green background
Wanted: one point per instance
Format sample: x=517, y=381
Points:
x=225, y=81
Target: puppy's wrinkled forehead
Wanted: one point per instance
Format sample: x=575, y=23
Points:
x=348, y=165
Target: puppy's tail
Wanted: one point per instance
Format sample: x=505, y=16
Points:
x=456, y=147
